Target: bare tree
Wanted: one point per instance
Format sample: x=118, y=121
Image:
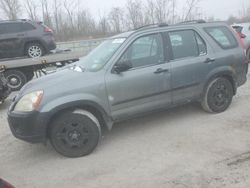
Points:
x=31, y=8
x=70, y=7
x=86, y=25
x=191, y=5
x=103, y=25
x=162, y=10
x=174, y=3
x=244, y=13
x=150, y=12
x=46, y=13
x=57, y=14
x=10, y=8
x=116, y=19
x=134, y=14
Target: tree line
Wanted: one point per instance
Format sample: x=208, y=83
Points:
x=71, y=22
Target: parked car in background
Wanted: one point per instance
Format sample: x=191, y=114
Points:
x=5, y=184
x=25, y=38
x=243, y=30
x=180, y=63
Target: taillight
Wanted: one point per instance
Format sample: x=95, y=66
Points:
x=47, y=29
x=242, y=41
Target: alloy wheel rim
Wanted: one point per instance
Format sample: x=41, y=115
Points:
x=221, y=95
x=73, y=135
x=35, y=51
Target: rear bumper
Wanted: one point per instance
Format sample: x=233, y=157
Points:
x=49, y=43
x=243, y=79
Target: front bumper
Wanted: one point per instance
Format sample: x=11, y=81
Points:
x=29, y=127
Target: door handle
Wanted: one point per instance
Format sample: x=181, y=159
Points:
x=209, y=60
x=160, y=70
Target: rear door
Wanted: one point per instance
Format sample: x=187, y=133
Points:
x=190, y=63
x=12, y=39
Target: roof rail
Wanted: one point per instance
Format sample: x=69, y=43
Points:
x=24, y=20
x=193, y=22
x=152, y=26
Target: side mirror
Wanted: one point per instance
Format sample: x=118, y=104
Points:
x=122, y=67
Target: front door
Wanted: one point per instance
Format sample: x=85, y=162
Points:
x=146, y=85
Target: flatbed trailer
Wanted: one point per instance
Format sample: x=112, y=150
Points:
x=19, y=71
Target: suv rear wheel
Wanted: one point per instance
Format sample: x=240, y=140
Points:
x=34, y=50
x=218, y=95
x=75, y=133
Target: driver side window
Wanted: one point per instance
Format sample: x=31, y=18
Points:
x=144, y=51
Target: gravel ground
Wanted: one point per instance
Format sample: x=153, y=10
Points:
x=179, y=148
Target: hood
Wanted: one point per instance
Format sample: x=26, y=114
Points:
x=63, y=80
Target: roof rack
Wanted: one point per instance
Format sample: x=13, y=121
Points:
x=152, y=26
x=193, y=22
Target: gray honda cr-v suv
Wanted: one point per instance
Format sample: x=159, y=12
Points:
x=148, y=69
x=25, y=38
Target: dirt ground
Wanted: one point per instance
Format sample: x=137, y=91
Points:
x=179, y=148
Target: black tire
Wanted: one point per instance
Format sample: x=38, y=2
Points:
x=34, y=50
x=75, y=133
x=16, y=79
x=218, y=95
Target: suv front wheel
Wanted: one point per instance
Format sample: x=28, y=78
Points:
x=218, y=95
x=34, y=50
x=75, y=133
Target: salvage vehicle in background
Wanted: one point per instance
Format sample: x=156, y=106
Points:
x=191, y=61
x=25, y=38
x=19, y=71
x=243, y=29
x=5, y=184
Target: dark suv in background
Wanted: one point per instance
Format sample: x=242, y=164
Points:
x=25, y=38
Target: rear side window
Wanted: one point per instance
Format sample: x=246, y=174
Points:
x=28, y=27
x=8, y=28
x=186, y=43
x=222, y=36
x=12, y=27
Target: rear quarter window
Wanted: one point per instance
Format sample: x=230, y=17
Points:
x=222, y=36
x=28, y=27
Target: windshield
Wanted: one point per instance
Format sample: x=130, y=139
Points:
x=96, y=59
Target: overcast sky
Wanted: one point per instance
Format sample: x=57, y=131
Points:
x=220, y=9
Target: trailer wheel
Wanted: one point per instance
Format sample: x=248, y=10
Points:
x=16, y=79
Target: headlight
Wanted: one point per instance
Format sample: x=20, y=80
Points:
x=29, y=102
